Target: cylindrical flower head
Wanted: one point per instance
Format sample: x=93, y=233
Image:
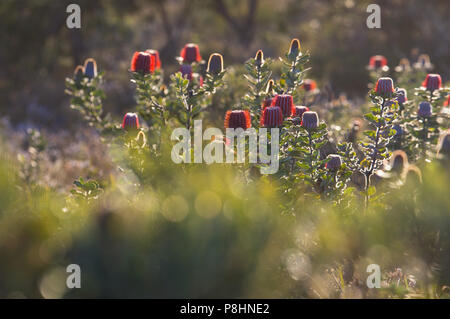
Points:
x=444, y=145
x=309, y=85
x=425, y=109
x=398, y=161
x=402, y=97
x=155, y=55
x=310, y=120
x=238, y=119
x=259, y=57
x=299, y=110
x=215, y=63
x=78, y=74
x=190, y=53
x=295, y=46
x=186, y=71
x=269, y=88
x=384, y=87
x=403, y=65
x=272, y=117
x=90, y=68
x=285, y=102
x=142, y=62
x=334, y=163
x=432, y=82
x=130, y=122
x=423, y=62
x=377, y=62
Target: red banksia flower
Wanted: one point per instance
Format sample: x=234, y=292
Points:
x=90, y=68
x=309, y=85
x=295, y=46
x=142, y=62
x=130, y=122
x=215, y=63
x=334, y=163
x=402, y=97
x=384, y=87
x=310, y=120
x=238, y=119
x=432, y=82
x=272, y=117
x=155, y=55
x=186, y=71
x=425, y=109
x=377, y=62
x=299, y=110
x=267, y=102
x=190, y=53
x=285, y=102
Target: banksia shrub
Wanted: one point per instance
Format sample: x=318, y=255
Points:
x=310, y=120
x=432, y=82
x=299, y=110
x=425, y=109
x=130, y=122
x=272, y=116
x=309, y=85
x=90, y=68
x=377, y=62
x=384, y=87
x=334, y=162
x=142, y=62
x=155, y=55
x=285, y=102
x=190, y=53
x=238, y=119
x=215, y=64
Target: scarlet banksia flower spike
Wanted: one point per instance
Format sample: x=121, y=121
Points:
x=215, y=63
x=295, y=46
x=130, y=122
x=310, y=120
x=259, y=57
x=285, y=102
x=334, y=162
x=155, y=55
x=90, y=68
x=142, y=62
x=299, y=110
x=309, y=85
x=190, y=53
x=384, y=87
x=238, y=119
x=377, y=62
x=186, y=71
x=425, y=109
x=432, y=82
x=272, y=117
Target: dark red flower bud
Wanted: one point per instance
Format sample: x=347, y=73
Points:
x=377, y=62
x=310, y=120
x=402, y=97
x=269, y=88
x=334, y=162
x=130, y=122
x=142, y=62
x=295, y=46
x=432, y=82
x=425, y=109
x=285, y=102
x=155, y=55
x=78, y=74
x=259, y=57
x=384, y=87
x=215, y=63
x=90, y=68
x=309, y=85
x=238, y=119
x=299, y=110
x=186, y=71
x=190, y=53
x=272, y=116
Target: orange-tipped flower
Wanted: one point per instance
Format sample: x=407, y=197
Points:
x=309, y=85
x=190, y=53
x=384, y=87
x=402, y=96
x=425, y=109
x=310, y=120
x=285, y=102
x=295, y=46
x=215, y=63
x=270, y=85
x=90, y=68
x=142, y=62
x=155, y=55
x=334, y=162
x=377, y=62
x=130, y=122
x=432, y=82
x=238, y=119
x=186, y=71
x=78, y=74
x=272, y=116
x=299, y=110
